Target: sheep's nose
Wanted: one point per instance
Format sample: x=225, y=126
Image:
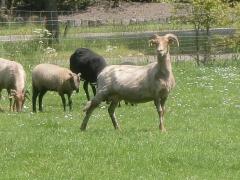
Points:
x=160, y=51
x=77, y=90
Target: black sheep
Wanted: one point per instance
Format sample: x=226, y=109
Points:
x=89, y=64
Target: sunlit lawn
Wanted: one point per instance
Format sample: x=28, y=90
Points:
x=15, y=28
x=202, y=139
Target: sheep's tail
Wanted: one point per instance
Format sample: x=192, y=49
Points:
x=87, y=106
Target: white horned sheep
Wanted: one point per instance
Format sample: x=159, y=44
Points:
x=126, y=63
x=136, y=84
x=13, y=78
x=49, y=77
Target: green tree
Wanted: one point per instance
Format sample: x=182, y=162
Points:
x=212, y=13
x=203, y=15
x=233, y=42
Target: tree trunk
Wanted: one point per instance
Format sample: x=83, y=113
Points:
x=207, y=53
x=52, y=20
x=197, y=28
x=115, y=3
x=11, y=6
x=66, y=28
x=3, y=4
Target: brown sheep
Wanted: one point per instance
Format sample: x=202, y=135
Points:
x=136, y=84
x=49, y=77
x=13, y=78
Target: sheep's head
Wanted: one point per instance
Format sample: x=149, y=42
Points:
x=162, y=43
x=75, y=81
x=19, y=99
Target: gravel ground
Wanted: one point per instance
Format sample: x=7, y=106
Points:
x=126, y=11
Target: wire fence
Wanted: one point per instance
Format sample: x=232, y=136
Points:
x=114, y=38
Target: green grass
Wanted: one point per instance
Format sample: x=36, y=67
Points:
x=202, y=141
x=28, y=28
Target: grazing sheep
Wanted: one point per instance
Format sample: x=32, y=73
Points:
x=136, y=84
x=49, y=77
x=13, y=78
x=89, y=64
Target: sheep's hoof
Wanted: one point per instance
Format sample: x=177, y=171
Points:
x=117, y=128
x=83, y=127
x=162, y=129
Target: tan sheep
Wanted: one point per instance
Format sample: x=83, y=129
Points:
x=13, y=78
x=136, y=84
x=49, y=77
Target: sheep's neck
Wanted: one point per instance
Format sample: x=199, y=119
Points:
x=164, y=64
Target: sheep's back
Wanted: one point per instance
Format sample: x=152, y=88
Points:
x=12, y=75
x=128, y=82
x=49, y=76
x=88, y=63
x=123, y=74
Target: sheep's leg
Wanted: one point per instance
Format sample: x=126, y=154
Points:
x=34, y=99
x=93, y=89
x=160, y=109
x=91, y=105
x=63, y=101
x=69, y=101
x=10, y=106
x=23, y=103
x=10, y=100
x=40, y=99
x=1, y=98
x=163, y=100
x=111, y=111
x=85, y=87
x=14, y=105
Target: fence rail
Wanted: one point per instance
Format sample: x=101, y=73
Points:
x=20, y=27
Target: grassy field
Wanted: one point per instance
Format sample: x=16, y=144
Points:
x=202, y=139
x=202, y=119
x=29, y=28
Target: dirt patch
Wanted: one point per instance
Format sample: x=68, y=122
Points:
x=127, y=12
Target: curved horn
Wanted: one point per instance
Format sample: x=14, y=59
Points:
x=13, y=92
x=172, y=37
x=71, y=74
x=26, y=93
x=155, y=36
x=153, y=39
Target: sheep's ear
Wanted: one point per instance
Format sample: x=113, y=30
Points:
x=172, y=38
x=79, y=75
x=152, y=41
x=155, y=36
x=71, y=75
x=12, y=94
